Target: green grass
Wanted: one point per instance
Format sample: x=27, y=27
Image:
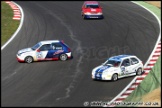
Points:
x=153, y=8
x=153, y=79
x=8, y=25
x=151, y=82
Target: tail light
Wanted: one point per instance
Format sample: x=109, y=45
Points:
x=62, y=41
x=69, y=50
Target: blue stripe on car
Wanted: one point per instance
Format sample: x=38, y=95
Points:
x=99, y=71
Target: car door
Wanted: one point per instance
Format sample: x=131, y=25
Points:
x=126, y=66
x=42, y=52
x=134, y=64
x=55, y=51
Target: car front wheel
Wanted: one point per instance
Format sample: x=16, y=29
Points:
x=63, y=57
x=114, y=77
x=29, y=59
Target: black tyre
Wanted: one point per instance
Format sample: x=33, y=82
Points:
x=114, y=77
x=29, y=59
x=63, y=57
x=139, y=71
x=83, y=16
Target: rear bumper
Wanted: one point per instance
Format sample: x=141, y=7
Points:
x=93, y=16
x=69, y=55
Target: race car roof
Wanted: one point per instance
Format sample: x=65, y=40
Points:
x=49, y=41
x=119, y=57
x=91, y=2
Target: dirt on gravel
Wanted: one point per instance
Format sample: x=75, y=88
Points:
x=152, y=99
x=155, y=3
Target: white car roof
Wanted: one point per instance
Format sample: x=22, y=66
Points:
x=120, y=57
x=49, y=41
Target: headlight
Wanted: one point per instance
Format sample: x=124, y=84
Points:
x=93, y=71
x=19, y=54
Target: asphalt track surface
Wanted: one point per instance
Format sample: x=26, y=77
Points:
x=126, y=29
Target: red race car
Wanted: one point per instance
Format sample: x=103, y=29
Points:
x=91, y=9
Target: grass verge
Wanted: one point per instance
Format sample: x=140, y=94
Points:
x=8, y=25
x=149, y=91
x=151, y=7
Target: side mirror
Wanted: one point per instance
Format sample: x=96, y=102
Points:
x=38, y=50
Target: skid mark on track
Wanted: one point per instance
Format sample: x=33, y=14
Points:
x=12, y=74
x=45, y=95
x=72, y=84
x=9, y=76
x=78, y=49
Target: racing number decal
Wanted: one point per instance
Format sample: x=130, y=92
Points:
x=122, y=70
x=39, y=55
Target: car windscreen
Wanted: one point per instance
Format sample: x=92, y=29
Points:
x=36, y=46
x=112, y=63
x=92, y=6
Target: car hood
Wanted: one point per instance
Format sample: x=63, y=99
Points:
x=25, y=50
x=103, y=68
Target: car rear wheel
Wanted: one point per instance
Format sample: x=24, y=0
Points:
x=83, y=16
x=29, y=59
x=139, y=71
x=114, y=77
x=63, y=57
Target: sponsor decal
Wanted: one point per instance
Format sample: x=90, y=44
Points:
x=39, y=55
x=58, y=52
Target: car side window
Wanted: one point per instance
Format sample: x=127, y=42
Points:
x=134, y=61
x=125, y=62
x=56, y=46
x=45, y=47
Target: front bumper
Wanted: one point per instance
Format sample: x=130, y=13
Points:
x=19, y=59
x=101, y=77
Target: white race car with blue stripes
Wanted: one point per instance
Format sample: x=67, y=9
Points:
x=118, y=67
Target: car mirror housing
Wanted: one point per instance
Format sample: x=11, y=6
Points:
x=38, y=50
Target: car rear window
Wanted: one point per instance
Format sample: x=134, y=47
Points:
x=134, y=61
x=92, y=6
x=57, y=46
